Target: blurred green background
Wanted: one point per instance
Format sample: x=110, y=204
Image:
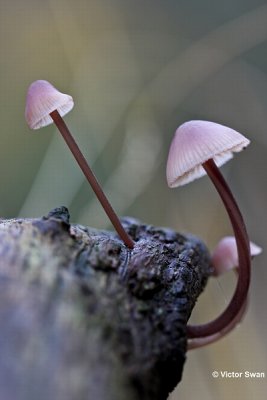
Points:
x=136, y=70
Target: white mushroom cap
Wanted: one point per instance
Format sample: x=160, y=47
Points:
x=225, y=255
x=196, y=142
x=42, y=99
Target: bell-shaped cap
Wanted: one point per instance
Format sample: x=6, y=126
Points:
x=42, y=99
x=225, y=255
x=196, y=142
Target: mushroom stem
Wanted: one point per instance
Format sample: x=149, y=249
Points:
x=235, y=307
x=195, y=343
x=63, y=129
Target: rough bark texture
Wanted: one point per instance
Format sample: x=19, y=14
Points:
x=82, y=317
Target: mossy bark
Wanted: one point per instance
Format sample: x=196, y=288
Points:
x=82, y=317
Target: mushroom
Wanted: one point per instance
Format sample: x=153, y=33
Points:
x=200, y=147
x=225, y=257
x=45, y=105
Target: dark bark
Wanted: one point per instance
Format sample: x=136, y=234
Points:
x=82, y=317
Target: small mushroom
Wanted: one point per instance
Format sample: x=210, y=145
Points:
x=45, y=105
x=199, y=147
x=225, y=257
x=42, y=99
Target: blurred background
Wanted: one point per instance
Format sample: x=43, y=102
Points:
x=136, y=70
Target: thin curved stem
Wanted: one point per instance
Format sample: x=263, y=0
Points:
x=230, y=314
x=195, y=343
x=63, y=129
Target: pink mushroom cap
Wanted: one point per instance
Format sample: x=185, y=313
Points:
x=194, y=143
x=42, y=99
x=225, y=256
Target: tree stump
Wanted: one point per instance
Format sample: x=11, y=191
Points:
x=82, y=317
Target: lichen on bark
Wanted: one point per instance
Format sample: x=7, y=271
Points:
x=84, y=317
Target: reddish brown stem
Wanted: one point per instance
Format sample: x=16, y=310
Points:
x=63, y=129
x=230, y=314
x=195, y=343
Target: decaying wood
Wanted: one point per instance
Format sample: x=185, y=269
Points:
x=82, y=317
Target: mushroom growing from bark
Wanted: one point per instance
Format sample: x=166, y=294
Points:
x=224, y=258
x=200, y=147
x=45, y=105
